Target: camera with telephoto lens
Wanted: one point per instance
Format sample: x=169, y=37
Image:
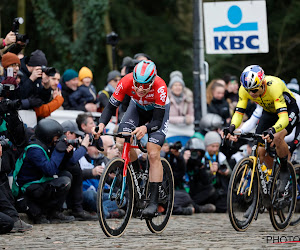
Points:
x=7, y=106
x=49, y=71
x=112, y=38
x=177, y=145
x=74, y=142
x=15, y=28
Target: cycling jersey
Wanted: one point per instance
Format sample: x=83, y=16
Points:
x=157, y=96
x=275, y=99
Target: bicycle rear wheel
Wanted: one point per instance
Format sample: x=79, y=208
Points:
x=109, y=197
x=165, y=202
x=296, y=217
x=283, y=207
x=242, y=206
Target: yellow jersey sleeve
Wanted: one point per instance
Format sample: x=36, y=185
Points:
x=240, y=107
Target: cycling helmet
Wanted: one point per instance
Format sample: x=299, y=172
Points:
x=195, y=144
x=252, y=77
x=144, y=72
x=46, y=129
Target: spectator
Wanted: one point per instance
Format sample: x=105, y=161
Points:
x=216, y=101
x=55, y=101
x=113, y=79
x=32, y=76
x=92, y=166
x=86, y=92
x=231, y=93
x=9, y=39
x=201, y=189
x=69, y=84
x=70, y=163
x=9, y=217
x=217, y=168
x=293, y=85
x=181, y=100
x=141, y=56
x=38, y=193
x=12, y=60
x=85, y=123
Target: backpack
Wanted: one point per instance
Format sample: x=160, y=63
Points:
x=15, y=186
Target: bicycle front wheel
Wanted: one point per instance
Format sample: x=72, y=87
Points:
x=283, y=206
x=114, y=203
x=296, y=217
x=165, y=202
x=241, y=203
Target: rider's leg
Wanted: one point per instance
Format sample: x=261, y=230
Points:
x=155, y=177
x=282, y=151
x=265, y=158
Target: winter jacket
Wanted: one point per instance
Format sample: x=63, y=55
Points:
x=219, y=107
x=36, y=164
x=83, y=95
x=179, y=111
x=66, y=92
x=29, y=88
x=46, y=109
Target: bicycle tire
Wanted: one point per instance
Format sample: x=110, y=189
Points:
x=166, y=200
x=238, y=202
x=281, y=211
x=114, y=227
x=296, y=217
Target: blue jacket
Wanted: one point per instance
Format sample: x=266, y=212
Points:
x=36, y=165
x=83, y=95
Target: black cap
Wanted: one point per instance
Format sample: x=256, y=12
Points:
x=37, y=58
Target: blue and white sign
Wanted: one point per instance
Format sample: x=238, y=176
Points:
x=237, y=27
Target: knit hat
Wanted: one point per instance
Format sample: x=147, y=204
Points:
x=293, y=85
x=37, y=58
x=176, y=76
x=112, y=75
x=212, y=137
x=85, y=72
x=69, y=74
x=9, y=59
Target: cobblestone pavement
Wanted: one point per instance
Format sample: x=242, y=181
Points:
x=200, y=231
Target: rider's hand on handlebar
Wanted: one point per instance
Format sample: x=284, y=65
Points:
x=269, y=135
x=97, y=131
x=140, y=132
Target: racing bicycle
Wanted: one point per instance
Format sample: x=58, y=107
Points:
x=251, y=191
x=129, y=190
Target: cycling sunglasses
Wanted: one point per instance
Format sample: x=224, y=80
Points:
x=145, y=86
x=252, y=90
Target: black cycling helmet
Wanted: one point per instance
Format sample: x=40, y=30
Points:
x=195, y=144
x=46, y=129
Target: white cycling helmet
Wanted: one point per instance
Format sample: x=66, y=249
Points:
x=252, y=77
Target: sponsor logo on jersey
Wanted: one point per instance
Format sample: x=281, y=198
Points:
x=119, y=87
x=163, y=94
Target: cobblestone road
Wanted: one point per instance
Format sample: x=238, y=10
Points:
x=200, y=231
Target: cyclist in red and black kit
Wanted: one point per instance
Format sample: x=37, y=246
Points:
x=148, y=112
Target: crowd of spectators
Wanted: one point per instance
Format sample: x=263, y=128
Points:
x=56, y=167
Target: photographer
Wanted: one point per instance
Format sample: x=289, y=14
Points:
x=71, y=164
x=50, y=78
x=31, y=82
x=9, y=39
x=217, y=167
x=38, y=184
x=177, y=163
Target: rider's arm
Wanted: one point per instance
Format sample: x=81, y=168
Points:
x=281, y=109
x=108, y=112
x=240, y=108
x=156, y=122
x=252, y=121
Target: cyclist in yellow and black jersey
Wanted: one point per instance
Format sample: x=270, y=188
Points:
x=279, y=117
